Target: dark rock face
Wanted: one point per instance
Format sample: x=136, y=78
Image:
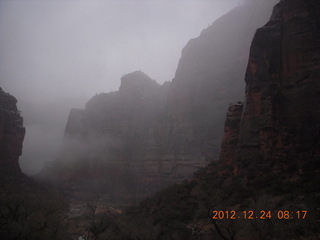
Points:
x=11, y=135
x=106, y=144
x=231, y=136
x=120, y=114
x=209, y=77
x=280, y=122
x=188, y=133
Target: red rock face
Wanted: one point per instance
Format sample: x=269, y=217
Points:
x=280, y=123
x=11, y=135
x=231, y=136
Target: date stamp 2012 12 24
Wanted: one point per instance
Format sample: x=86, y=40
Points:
x=263, y=214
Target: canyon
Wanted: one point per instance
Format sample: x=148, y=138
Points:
x=144, y=137
x=220, y=137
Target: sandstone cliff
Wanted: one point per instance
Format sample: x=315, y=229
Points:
x=11, y=136
x=231, y=136
x=279, y=128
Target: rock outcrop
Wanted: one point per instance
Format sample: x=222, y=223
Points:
x=231, y=136
x=280, y=128
x=106, y=143
x=11, y=136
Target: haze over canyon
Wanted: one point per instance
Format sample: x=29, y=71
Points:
x=226, y=146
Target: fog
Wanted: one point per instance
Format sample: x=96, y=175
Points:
x=55, y=55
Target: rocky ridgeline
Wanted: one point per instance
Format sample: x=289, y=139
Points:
x=11, y=136
x=106, y=144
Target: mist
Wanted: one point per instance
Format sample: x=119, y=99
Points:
x=55, y=55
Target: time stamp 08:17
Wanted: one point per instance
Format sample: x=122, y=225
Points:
x=280, y=214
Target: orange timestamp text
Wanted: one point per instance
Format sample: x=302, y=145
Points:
x=279, y=214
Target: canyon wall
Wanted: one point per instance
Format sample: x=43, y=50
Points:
x=279, y=128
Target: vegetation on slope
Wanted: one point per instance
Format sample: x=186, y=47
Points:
x=185, y=211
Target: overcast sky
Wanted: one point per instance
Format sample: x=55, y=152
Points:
x=83, y=47
x=52, y=50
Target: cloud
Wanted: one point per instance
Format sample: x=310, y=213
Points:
x=55, y=52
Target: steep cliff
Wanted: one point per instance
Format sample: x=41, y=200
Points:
x=209, y=77
x=280, y=124
x=11, y=136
